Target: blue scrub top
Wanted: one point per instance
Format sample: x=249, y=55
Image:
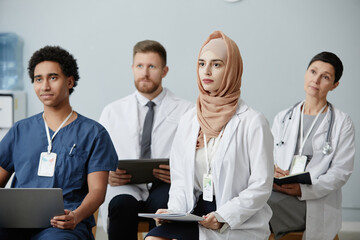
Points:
x=20, y=152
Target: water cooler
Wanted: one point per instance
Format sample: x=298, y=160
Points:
x=12, y=98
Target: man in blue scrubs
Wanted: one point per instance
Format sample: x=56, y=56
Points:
x=58, y=148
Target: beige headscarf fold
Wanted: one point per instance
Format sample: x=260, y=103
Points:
x=214, y=110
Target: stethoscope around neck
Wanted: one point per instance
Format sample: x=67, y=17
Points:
x=327, y=149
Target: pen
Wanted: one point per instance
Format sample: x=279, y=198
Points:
x=74, y=146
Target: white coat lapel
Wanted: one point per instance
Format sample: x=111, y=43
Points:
x=324, y=125
x=190, y=155
x=195, y=128
x=290, y=138
x=191, y=144
x=165, y=109
x=229, y=132
x=318, y=141
x=134, y=137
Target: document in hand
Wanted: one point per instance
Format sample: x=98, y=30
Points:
x=185, y=217
x=303, y=178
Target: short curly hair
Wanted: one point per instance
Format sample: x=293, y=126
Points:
x=57, y=54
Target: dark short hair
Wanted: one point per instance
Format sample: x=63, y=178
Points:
x=57, y=54
x=332, y=59
x=150, y=46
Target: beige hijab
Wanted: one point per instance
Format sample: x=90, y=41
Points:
x=214, y=110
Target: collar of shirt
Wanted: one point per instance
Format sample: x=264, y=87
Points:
x=142, y=101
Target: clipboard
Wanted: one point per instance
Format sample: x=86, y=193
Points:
x=141, y=170
x=183, y=217
x=303, y=178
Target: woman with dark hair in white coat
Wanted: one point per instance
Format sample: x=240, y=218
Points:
x=313, y=136
x=225, y=144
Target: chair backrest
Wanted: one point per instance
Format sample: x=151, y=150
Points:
x=143, y=227
x=294, y=236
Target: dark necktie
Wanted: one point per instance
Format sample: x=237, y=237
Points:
x=146, y=134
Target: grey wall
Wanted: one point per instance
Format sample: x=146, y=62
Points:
x=276, y=38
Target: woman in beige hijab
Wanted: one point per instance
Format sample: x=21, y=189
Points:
x=221, y=159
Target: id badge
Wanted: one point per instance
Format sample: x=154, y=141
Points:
x=47, y=164
x=207, y=188
x=298, y=164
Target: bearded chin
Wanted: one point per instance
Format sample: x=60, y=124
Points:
x=145, y=88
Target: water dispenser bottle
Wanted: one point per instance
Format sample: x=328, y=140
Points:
x=10, y=62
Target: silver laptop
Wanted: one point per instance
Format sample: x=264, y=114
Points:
x=29, y=207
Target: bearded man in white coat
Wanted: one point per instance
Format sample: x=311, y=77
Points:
x=125, y=120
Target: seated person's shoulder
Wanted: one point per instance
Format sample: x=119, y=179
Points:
x=181, y=102
x=342, y=115
x=120, y=102
x=250, y=115
x=184, y=106
x=29, y=122
x=189, y=115
x=90, y=125
x=117, y=109
x=187, y=104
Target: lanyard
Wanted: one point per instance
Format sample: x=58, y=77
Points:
x=48, y=134
x=208, y=165
x=302, y=142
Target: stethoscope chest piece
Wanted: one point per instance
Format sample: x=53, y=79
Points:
x=327, y=149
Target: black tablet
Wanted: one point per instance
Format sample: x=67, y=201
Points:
x=303, y=178
x=141, y=170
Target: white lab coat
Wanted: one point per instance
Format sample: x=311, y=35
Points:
x=242, y=174
x=328, y=172
x=120, y=118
